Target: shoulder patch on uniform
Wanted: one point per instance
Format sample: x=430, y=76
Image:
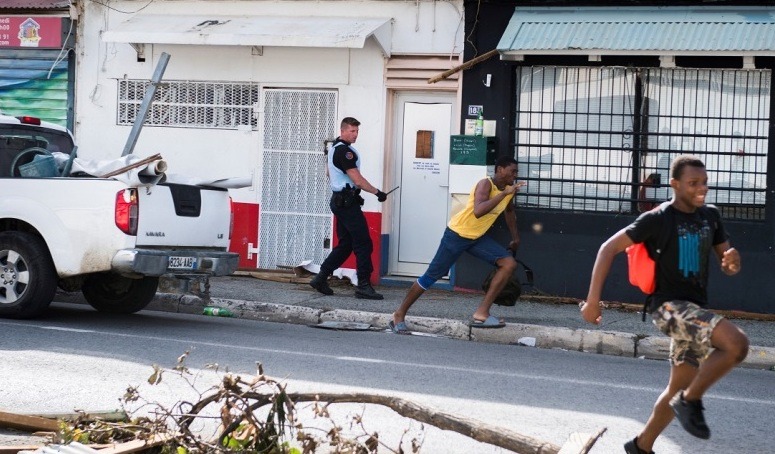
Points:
x=349, y=155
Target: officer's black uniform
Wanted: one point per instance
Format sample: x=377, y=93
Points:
x=351, y=227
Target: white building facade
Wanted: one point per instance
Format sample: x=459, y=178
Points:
x=255, y=88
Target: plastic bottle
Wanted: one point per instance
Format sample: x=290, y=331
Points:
x=217, y=311
x=479, y=125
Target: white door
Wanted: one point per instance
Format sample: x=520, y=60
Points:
x=421, y=144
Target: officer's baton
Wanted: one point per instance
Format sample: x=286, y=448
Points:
x=391, y=190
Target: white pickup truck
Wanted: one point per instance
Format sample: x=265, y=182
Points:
x=104, y=237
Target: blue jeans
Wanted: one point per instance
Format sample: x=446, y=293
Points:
x=452, y=247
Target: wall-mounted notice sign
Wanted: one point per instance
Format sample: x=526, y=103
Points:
x=30, y=31
x=434, y=167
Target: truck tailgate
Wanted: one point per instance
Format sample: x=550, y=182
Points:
x=177, y=215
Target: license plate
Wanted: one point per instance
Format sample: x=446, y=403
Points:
x=182, y=263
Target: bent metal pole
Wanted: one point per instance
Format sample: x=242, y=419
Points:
x=145, y=106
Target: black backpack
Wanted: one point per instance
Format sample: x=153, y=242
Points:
x=513, y=288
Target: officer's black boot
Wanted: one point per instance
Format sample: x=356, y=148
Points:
x=320, y=283
x=364, y=290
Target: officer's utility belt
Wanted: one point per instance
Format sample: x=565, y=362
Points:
x=347, y=197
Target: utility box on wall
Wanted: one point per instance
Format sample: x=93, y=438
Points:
x=472, y=150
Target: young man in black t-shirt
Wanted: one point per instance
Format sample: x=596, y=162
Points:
x=678, y=304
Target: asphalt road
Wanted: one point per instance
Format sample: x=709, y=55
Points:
x=77, y=358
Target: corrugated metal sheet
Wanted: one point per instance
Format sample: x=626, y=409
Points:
x=34, y=4
x=647, y=31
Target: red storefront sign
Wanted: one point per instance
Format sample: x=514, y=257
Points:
x=30, y=31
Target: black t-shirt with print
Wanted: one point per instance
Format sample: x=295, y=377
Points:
x=682, y=268
x=344, y=157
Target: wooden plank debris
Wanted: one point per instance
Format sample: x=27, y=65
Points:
x=297, y=277
x=463, y=66
x=17, y=448
x=136, y=445
x=277, y=277
x=140, y=163
x=581, y=443
x=29, y=423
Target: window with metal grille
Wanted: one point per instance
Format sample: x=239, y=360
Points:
x=218, y=105
x=602, y=138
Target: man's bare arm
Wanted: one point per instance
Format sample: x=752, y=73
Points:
x=590, y=309
x=483, y=204
x=511, y=223
x=361, y=181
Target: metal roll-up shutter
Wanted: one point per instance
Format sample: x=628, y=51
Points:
x=35, y=82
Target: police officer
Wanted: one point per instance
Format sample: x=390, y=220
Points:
x=353, y=233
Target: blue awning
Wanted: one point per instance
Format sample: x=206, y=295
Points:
x=669, y=31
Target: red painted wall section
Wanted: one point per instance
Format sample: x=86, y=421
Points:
x=374, y=221
x=245, y=231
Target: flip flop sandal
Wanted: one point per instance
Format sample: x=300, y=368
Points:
x=398, y=328
x=489, y=322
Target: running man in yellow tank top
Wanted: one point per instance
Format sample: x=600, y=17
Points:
x=466, y=233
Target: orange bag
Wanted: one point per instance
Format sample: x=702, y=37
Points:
x=642, y=268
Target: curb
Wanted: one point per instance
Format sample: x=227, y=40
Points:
x=582, y=340
x=590, y=341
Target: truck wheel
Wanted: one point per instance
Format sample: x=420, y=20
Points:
x=109, y=292
x=28, y=279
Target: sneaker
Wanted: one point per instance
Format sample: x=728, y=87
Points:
x=631, y=447
x=320, y=283
x=366, y=291
x=689, y=414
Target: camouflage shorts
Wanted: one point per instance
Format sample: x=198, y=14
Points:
x=689, y=327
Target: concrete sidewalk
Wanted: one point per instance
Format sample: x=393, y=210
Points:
x=535, y=321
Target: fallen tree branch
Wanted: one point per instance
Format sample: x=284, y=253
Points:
x=479, y=431
x=106, y=415
x=241, y=429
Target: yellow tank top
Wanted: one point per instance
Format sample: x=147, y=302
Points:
x=469, y=226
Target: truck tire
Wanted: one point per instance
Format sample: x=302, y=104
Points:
x=28, y=279
x=115, y=294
